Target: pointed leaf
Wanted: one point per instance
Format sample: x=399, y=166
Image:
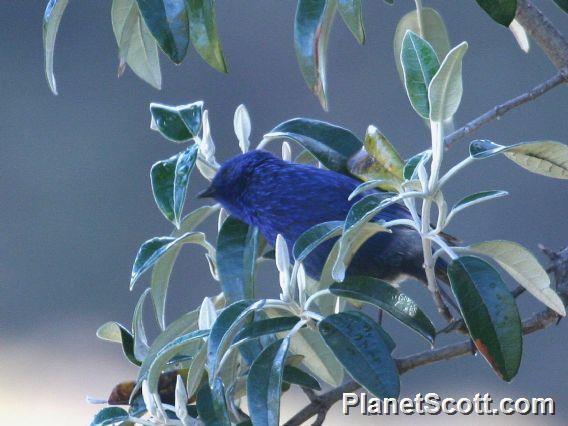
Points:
x=295, y=376
x=413, y=163
x=490, y=313
x=211, y=405
x=388, y=298
x=359, y=345
x=352, y=13
x=472, y=200
x=114, y=332
x=267, y=326
x=167, y=20
x=110, y=416
x=136, y=45
x=318, y=358
x=189, y=343
x=164, y=265
x=51, y=20
x=331, y=145
x=162, y=176
x=314, y=236
x=203, y=33
x=264, y=384
x=445, y=90
x=218, y=342
x=184, y=166
x=152, y=250
x=196, y=371
x=237, y=252
x=312, y=26
x=524, y=268
x=181, y=326
x=501, y=11
x=138, y=332
x=431, y=28
x=419, y=63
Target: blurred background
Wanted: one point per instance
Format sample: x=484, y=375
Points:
x=76, y=200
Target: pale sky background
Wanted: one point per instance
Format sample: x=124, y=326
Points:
x=76, y=199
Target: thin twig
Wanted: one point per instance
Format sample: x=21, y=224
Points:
x=536, y=322
x=498, y=111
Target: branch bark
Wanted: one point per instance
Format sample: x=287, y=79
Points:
x=500, y=110
x=321, y=404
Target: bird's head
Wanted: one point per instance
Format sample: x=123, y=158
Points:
x=233, y=177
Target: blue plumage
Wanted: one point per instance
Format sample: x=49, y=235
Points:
x=287, y=198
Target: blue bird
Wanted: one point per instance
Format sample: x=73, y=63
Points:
x=286, y=198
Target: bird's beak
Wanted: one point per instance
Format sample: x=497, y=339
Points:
x=207, y=193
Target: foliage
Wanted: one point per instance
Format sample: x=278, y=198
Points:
x=142, y=26
x=222, y=351
x=235, y=345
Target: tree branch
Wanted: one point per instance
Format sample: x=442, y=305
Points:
x=543, y=31
x=321, y=404
x=554, y=45
x=500, y=110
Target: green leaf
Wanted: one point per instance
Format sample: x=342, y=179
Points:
x=524, y=268
x=413, y=163
x=109, y=416
x=501, y=11
x=211, y=405
x=445, y=90
x=167, y=20
x=162, y=176
x=314, y=236
x=196, y=371
x=419, y=63
x=264, y=384
x=237, y=252
x=490, y=313
x=163, y=267
x=177, y=123
x=267, y=326
x=152, y=250
x=189, y=343
x=170, y=179
x=349, y=244
x=358, y=229
x=547, y=158
x=184, y=167
x=114, y=332
x=562, y=4
x=331, y=145
x=138, y=332
x=51, y=20
x=181, y=326
x=473, y=199
x=318, y=358
x=136, y=46
x=223, y=332
x=295, y=376
x=203, y=33
x=352, y=13
x=312, y=26
x=433, y=31
x=378, y=160
x=358, y=344
x=388, y=298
